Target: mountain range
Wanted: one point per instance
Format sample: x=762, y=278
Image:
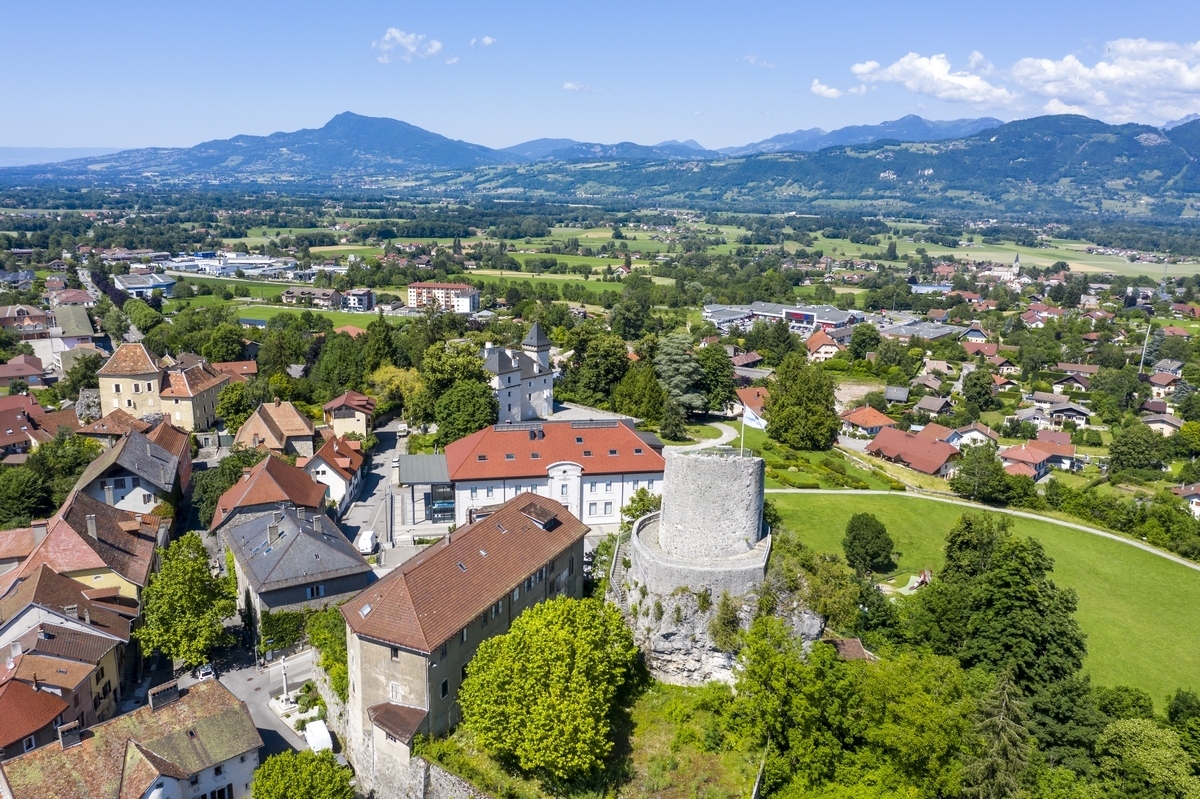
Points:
x=1065, y=162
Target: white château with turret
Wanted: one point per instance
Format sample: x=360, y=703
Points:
x=523, y=381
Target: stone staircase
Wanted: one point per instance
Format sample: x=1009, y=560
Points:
x=616, y=584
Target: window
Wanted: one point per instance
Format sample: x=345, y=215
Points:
x=149, y=386
x=591, y=509
x=99, y=675
x=194, y=779
x=650, y=484
x=535, y=456
x=571, y=566
x=128, y=403
x=137, y=388
x=218, y=771
x=508, y=456
x=612, y=452
x=119, y=482
x=497, y=608
x=474, y=493
x=608, y=487
x=516, y=593
x=462, y=635
x=608, y=509
x=592, y=487
x=315, y=591
x=394, y=691
x=489, y=491
x=563, y=489
x=481, y=457
x=116, y=388
x=587, y=453
x=442, y=651
x=176, y=402
x=135, y=482
x=637, y=450
x=445, y=688
x=578, y=439
x=395, y=653
x=635, y=484
x=29, y=743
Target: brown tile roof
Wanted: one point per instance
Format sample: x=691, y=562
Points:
x=984, y=348
x=430, y=598
x=1018, y=469
x=190, y=377
x=116, y=423
x=22, y=366
x=272, y=424
x=920, y=454
x=53, y=422
x=59, y=672
x=583, y=443
x=238, y=371
x=819, y=339
x=50, y=590
x=981, y=428
x=21, y=411
x=16, y=544
x=271, y=481
x=171, y=438
x=130, y=359
x=400, y=721
x=1163, y=379
x=350, y=330
x=1026, y=453
x=123, y=756
x=1078, y=368
x=25, y=711
x=341, y=457
x=753, y=398
x=938, y=432
x=352, y=399
x=1002, y=380
x=55, y=640
x=68, y=547
x=866, y=416
x=746, y=359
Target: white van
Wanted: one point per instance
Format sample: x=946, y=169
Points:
x=366, y=542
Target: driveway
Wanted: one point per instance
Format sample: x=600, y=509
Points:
x=728, y=433
x=372, y=509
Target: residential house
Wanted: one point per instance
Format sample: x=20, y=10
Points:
x=198, y=742
x=1026, y=460
x=26, y=321
x=338, y=464
x=977, y=348
x=279, y=427
x=183, y=390
x=65, y=360
x=747, y=359
x=23, y=368
x=315, y=298
x=1164, y=424
x=923, y=454
x=351, y=413
x=1003, y=383
x=293, y=559
x=1036, y=415
x=113, y=427
x=865, y=421
x=74, y=297
x=1170, y=367
x=1070, y=383
x=935, y=367
x=134, y=474
x=973, y=435
x=938, y=315
x=238, y=371
x=929, y=382
x=1191, y=495
x=753, y=401
x=1003, y=365
x=934, y=406
x=31, y=715
x=268, y=485
x=19, y=429
x=358, y=300
x=1069, y=412
x=72, y=328
x=523, y=382
x=591, y=467
x=100, y=546
x=896, y=394
x=821, y=347
x=1173, y=331
x=55, y=283
x=934, y=432
x=1085, y=369
x=456, y=297
x=975, y=336
x=411, y=635
x=1163, y=384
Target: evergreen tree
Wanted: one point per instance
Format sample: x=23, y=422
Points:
x=867, y=545
x=673, y=427
x=639, y=394
x=680, y=372
x=997, y=769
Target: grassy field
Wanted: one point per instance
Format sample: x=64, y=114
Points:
x=339, y=318
x=1137, y=609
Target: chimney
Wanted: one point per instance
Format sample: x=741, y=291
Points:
x=87, y=616
x=277, y=402
x=72, y=611
x=40, y=527
x=14, y=650
x=245, y=474
x=108, y=495
x=272, y=533
x=69, y=735
x=164, y=694
x=164, y=527
x=277, y=516
x=91, y=526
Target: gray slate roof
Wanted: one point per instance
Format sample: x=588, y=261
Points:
x=896, y=393
x=424, y=470
x=536, y=338
x=142, y=457
x=73, y=320
x=310, y=548
x=1168, y=365
x=932, y=404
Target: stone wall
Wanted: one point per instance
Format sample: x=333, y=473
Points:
x=662, y=573
x=335, y=709
x=712, y=504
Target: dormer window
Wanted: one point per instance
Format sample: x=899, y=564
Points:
x=481, y=457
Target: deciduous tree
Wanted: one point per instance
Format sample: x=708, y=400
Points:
x=718, y=379
x=307, y=774
x=800, y=411
x=468, y=406
x=867, y=545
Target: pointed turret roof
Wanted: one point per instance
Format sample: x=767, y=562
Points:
x=537, y=338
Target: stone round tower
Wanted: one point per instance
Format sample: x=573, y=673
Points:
x=709, y=534
x=712, y=504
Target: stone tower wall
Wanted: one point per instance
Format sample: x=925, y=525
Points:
x=712, y=504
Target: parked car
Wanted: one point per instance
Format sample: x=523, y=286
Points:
x=206, y=672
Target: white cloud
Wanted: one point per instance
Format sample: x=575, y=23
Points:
x=1137, y=80
x=979, y=64
x=487, y=41
x=405, y=46
x=452, y=60
x=821, y=90
x=575, y=86
x=859, y=89
x=758, y=62
x=1057, y=106
x=932, y=75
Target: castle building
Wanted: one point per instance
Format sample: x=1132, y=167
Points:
x=523, y=381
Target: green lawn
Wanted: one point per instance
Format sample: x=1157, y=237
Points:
x=339, y=318
x=1138, y=609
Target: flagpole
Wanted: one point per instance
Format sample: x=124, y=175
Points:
x=742, y=446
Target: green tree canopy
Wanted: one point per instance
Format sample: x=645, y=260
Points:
x=800, y=411
x=718, y=382
x=867, y=545
x=542, y=694
x=680, y=372
x=864, y=339
x=234, y=405
x=639, y=394
x=980, y=476
x=184, y=606
x=468, y=406
x=302, y=775
x=80, y=376
x=225, y=343
x=1139, y=757
x=1134, y=447
x=978, y=391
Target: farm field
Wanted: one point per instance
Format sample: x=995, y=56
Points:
x=1137, y=609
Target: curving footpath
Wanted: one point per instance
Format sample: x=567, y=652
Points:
x=919, y=494
x=728, y=433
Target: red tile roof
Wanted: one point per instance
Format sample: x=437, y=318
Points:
x=341, y=457
x=938, y=432
x=1020, y=470
x=754, y=399
x=431, y=597
x=272, y=424
x=116, y=423
x=820, y=339
x=920, y=454
x=25, y=711
x=1026, y=453
x=191, y=376
x=746, y=359
x=984, y=348
x=866, y=417
x=46, y=588
x=270, y=481
x=130, y=359
x=350, y=330
x=352, y=399
x=598, y=447
x=238, y=371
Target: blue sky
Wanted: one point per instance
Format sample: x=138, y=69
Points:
x=174, y=73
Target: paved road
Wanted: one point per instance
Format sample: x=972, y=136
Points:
x=917, y=494
x=256, y=688
x=370, y=511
